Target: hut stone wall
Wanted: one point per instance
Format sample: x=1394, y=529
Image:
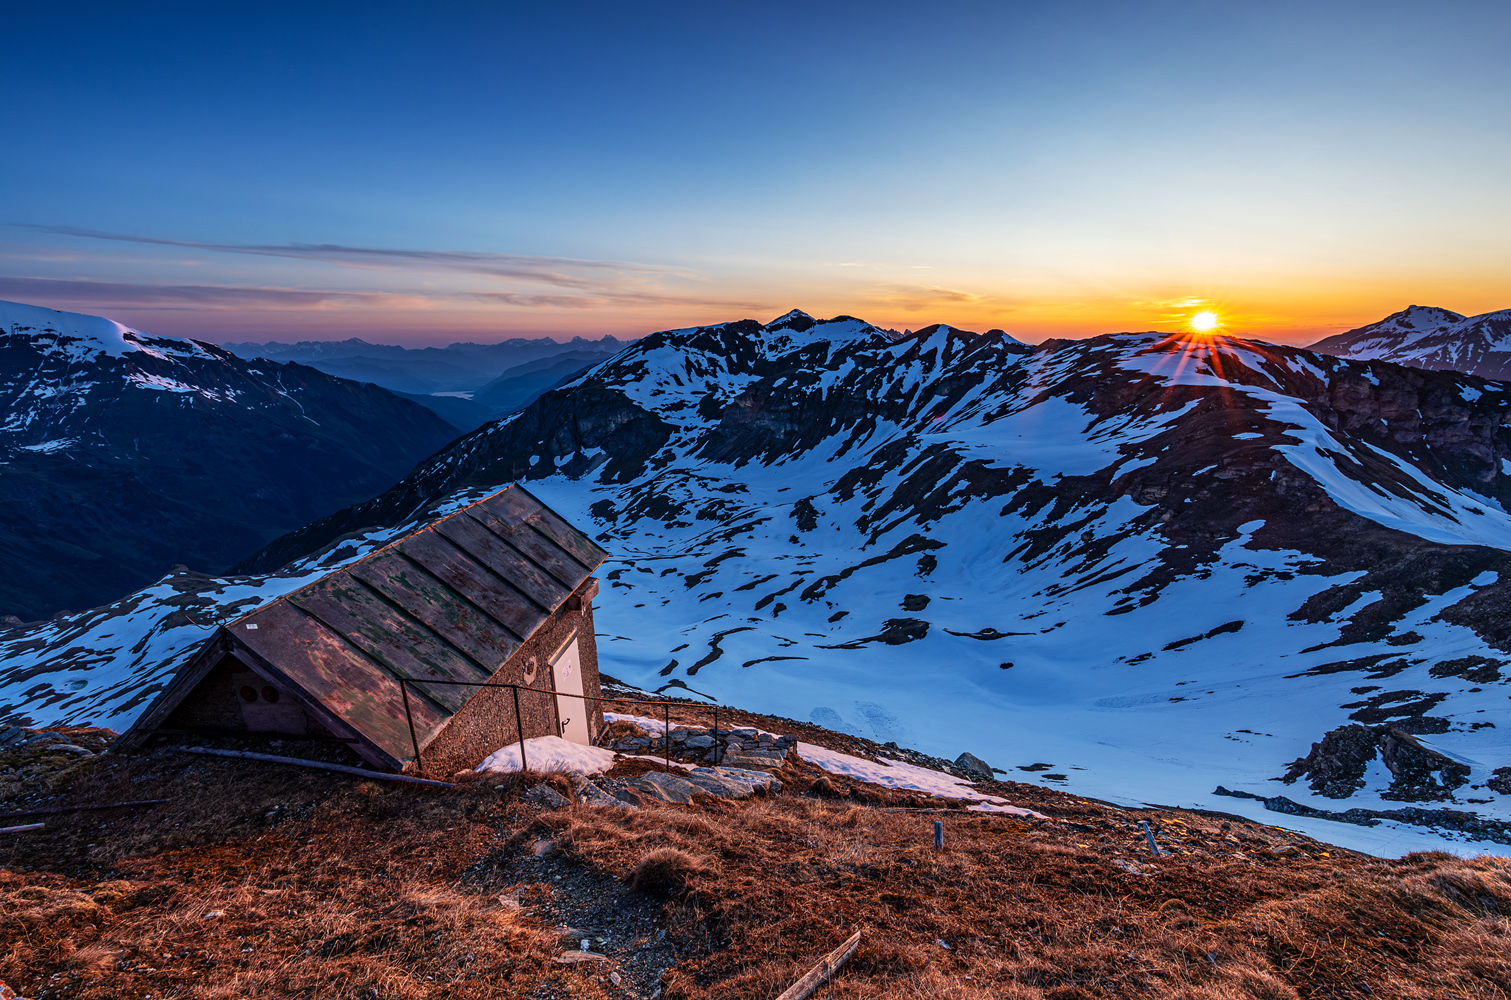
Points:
x=486, y=722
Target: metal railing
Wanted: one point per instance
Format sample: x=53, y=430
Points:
x=519, y=726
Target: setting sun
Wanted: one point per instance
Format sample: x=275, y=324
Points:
x=1204, y=322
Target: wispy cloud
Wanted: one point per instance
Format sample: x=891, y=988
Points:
x=82, y=292
x=565, y=272
x=126, y=294
x=914, y=298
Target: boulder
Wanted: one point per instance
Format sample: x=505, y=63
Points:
x=974, y=766
x=667, y=787
x=590, y=794
x=547, y=797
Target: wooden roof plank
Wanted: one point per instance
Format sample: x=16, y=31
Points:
x=393, y=641
x=506, y=561
x=515, y=506
x=518, y=613
x=542, y=551
x=351, y=686
x=441, y=608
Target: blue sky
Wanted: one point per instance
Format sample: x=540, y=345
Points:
x=475, y=171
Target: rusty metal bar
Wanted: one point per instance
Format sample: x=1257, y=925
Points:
x=404, y=687
x=565, y=694
x=68, y=809
x=519, y=727
x=666, y=712
x=556, y=703
x=319, y=765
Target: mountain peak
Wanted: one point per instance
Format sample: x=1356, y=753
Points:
x=86, y=336
x=794, y=319
x=1420, y=317
x=1434, y=338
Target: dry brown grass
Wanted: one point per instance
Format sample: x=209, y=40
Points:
x=361, y=897
x=328, y=887
x=1014, y=909
x=665, y=872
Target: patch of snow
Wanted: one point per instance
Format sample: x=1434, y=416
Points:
x=50, y=447
x=898, y=774
x=549, y=753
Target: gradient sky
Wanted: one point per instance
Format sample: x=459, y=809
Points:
x=424, y=173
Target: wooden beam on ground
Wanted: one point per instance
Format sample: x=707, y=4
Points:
x=803, y=988
x=318, y=765
x=70, y=809
x=21, y=829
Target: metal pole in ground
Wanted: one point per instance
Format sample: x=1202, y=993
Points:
x=1153, y=847
x=716, y=735
x=418, y=766
x=938, y=835
x=666, y=736
x=519, y=727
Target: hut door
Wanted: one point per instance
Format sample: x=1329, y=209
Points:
x=570, y=706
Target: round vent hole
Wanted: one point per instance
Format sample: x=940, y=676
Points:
x=269, y=693
x=248, y=692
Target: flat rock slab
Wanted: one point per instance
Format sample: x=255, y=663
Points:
x=668, y=787
x=747, y=781
x=591, y=794
x=657, y=786
x=751, y=763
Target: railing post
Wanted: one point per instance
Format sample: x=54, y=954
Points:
x=666, y=736
x=419, y=767
x=519, y=727
x=716, y=734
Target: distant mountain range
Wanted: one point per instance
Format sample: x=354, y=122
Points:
x=466, y=384
x=1136, y=566
x=122, y=453
x=1429, y=337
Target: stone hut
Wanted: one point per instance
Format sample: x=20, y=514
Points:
x=498, y=592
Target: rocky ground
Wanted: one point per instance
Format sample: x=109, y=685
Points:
x=236, y=878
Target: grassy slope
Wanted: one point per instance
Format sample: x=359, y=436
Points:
x=263, y=881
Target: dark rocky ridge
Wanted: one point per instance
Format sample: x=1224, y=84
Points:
x=118, y=465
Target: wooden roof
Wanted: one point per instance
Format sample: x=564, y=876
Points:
x=452, y=600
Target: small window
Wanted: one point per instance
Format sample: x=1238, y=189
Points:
x=270, y=694
x=248, y=693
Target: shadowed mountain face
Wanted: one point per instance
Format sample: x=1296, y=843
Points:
x=123, y=453
x=1151, y=564
x=1427, y=337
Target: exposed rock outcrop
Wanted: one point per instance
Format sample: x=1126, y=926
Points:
x=1336, y=765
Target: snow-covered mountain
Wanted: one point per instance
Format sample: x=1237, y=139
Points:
x=1135, y=566
x=122, y=453
x=1428, y=337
